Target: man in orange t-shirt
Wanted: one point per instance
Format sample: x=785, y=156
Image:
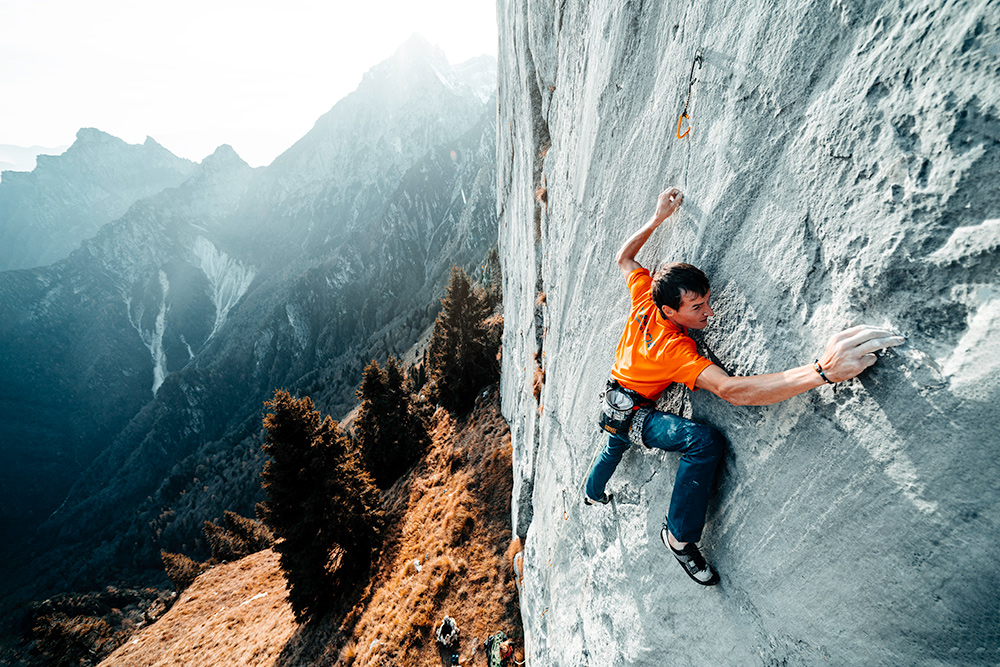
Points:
x=655, y=351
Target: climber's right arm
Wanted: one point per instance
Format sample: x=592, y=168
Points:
x=666, y=204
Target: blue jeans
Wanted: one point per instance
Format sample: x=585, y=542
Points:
x=701, y=448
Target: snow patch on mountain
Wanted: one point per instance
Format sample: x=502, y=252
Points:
x=230, y=279
x=300, y=327
x=153, y=338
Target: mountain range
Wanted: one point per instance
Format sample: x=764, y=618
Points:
x=138, y=363
x=46, y=213
x=24, y=158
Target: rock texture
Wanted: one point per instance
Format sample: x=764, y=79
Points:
x=842, y=167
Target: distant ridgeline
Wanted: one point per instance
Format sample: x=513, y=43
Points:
x=45, y=214
x=135, y=368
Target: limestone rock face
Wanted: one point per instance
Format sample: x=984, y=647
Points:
x=841, y=167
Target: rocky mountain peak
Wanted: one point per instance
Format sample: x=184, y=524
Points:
x=480, y=74
x=46, y=213
x=93, y=146
x=224, y=158
x=402, y=108
x=416, y=48
x=415, y=67
x=92, y=136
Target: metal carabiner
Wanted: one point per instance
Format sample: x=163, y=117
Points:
x=679, y=135
x=697, y=61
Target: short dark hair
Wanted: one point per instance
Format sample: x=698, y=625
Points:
x=672, y=279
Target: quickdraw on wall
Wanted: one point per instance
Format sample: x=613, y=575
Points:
x=691, y=81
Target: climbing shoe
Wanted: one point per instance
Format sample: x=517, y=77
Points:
x=692, y=561
x=604, y=499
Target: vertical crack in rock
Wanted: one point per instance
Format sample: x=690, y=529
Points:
x=540, y=142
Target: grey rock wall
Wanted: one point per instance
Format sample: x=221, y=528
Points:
x=842, y=167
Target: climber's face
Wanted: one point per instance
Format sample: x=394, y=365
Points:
x=693, y=312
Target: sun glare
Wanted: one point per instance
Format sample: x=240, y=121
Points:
x=195, y=75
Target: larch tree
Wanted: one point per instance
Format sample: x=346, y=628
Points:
x=461, y=357
x=321, y=504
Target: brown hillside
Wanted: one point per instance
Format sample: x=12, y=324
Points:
x=450, y=553
x=234, y=614
x=447, y=552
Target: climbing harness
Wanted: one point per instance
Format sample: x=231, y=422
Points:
x=618, y=406
x=691, y=81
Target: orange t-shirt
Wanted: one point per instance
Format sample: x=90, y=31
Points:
x=653, y=351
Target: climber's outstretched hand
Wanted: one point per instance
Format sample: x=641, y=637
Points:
x=853, y=350
x=667, y=203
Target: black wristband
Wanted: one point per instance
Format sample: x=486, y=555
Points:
x=819, y=369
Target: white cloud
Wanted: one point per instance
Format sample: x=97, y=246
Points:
x=194, y=74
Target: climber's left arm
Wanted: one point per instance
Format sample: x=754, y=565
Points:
x=847, y=354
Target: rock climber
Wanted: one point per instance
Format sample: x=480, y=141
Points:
x=447, y=638
x=655, y=351
x=499, y=650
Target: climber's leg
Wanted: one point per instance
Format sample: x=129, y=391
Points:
x=701, y=448
x=604, y=466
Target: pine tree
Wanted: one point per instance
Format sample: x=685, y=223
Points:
x=418, y=375
x=181, y=570
x=463, y=347
x=391, y=435
x=237, y=537
x=224, y=545
x=253, y=533
x=321, y=504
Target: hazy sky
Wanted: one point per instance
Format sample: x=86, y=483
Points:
x=194, y=74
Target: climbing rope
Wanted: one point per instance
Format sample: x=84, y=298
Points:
x=691, y=81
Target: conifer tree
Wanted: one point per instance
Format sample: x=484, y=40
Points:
x=181, y=570
x=462, y=352
x=389, y=431
x=224, y=545
x=418, y=374
x=251, y=532
x=237, y=537
x=321, y=504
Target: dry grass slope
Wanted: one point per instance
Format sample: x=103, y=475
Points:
x=234, y=614
x=450, y=553
x=447, y=552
